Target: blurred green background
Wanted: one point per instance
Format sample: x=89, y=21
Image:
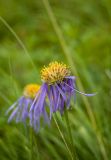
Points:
x=86, y=28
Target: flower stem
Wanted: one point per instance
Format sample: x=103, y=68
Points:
x=62, y=136
x=33, y=142
x=70, y=135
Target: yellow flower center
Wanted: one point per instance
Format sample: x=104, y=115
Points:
x=55, y=72
x=31, y=90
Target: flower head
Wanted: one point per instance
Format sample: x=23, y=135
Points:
x=56, y=92
x=31, y=90
x=55, y=72
x=20, y=109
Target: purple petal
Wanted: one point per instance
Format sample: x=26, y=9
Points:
x=37, y=125
x=61, y=107
x=68, y=94
x=15, y=112
x=31, y=117
x=68, y=100
x=61, y=92
x=70, y=77
x=25, y=112
x=45, y=115
x=41, y=99
x=12, y=116
x=72, y=92
x=33, y=104
x=39, y=105
x=92, y=94
x=55, y=96
x=58, y=102
x=10, y=108
x=50, y=96
x=19, y=113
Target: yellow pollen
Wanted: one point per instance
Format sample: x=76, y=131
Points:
x=55, y=72
x=31, y=90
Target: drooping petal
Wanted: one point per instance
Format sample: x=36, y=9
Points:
x=41, y=99
x=51, y=100
x=15, y=112
x=68, y=100
x=61, y=92
x=45, y=116
x=67, y=92
x=39, y=105
x=72, y=92
x=19, y=112
x=85, y=94
x=58, y=102
x=33, y=104
x=92, y=94
x=12, y=116
x=62, y=105
x=31, y=117
x=55, y=96
x=36, y=124
x=11, y=108
x=70, y=77
x=25, y=112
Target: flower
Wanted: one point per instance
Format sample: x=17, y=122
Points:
x=56, y=92
x=20, y=109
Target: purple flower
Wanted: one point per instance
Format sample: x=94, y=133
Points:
x=20, y=109
x=56, y=92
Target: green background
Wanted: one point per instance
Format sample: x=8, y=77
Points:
x=85, y=27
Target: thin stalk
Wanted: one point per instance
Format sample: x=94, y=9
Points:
x=70, y=135
x=10, y=76
x=5, y=98
x=36, y=145
x=62, y=136
x=34, y=142
x=18, y=39
x=13, y=84
x=31, y=144
x=74, y=70
x=29, y=136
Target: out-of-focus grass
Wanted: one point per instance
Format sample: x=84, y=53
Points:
x=86, y=28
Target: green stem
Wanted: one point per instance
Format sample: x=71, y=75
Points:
x=62, y=136
x=70, y=135
x=19, y=41
x=33, y=142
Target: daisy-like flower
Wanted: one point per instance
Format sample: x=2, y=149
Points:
x=20, y=109
x=56, y=91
